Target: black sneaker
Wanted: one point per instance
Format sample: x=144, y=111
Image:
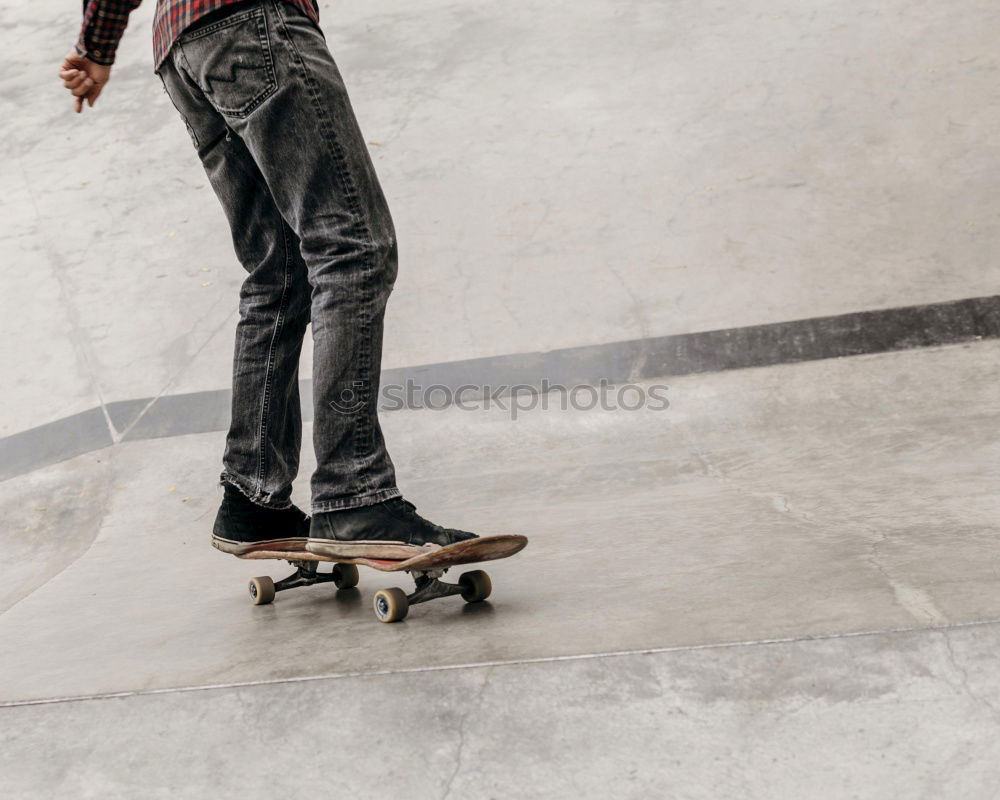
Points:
x=391, y=529
x=242, y=526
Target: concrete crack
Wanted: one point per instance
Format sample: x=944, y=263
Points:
x=916, y=601
x=173, y=378
x=80, y=339
x=460, y=748
x=963, y=678
x=778, y=500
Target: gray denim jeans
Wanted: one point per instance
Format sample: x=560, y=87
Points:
x=268, y=113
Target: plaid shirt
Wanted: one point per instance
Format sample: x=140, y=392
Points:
x=104, y=23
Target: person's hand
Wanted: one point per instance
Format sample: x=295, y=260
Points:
x=83, y=78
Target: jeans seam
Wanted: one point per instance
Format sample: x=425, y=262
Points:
x=362, y=432
x=191, y=132
x=269, y=369
x=231, y=19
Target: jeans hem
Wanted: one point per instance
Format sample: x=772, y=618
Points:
x=255, y=497
x=356, y=502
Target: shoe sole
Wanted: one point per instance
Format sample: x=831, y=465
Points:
x=389, y=551
x=294, y=544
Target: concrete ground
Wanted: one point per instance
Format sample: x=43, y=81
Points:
x=784, y=585
x=680, y=166
x=790, y=572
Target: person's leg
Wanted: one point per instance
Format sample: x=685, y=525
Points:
x=262, y=447
x=265, y=436
x=270, y=74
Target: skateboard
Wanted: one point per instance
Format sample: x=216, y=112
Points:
x=392, y=605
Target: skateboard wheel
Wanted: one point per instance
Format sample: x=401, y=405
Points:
x=391, y=605
x=261, y=590
x=345, y=576
x=476, y=586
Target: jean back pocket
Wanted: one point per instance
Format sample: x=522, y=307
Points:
x=231, y=62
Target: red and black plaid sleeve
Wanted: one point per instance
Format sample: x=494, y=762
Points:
x=104, y=23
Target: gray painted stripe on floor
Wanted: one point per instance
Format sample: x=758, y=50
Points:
x=172, y=415
x=55, y=441
x=857, y=333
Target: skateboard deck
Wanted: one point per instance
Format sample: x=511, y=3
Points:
x=391, y=605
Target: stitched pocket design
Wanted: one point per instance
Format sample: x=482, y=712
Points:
x=231, y=62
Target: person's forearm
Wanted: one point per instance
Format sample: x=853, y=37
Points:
x=104, y=22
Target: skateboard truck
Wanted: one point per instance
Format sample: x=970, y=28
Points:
x=345, y=576
x=391, y=605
